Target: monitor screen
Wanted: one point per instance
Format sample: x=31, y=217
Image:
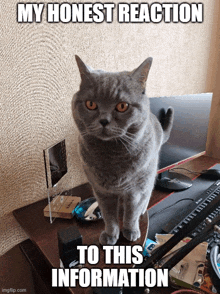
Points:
x=190, y=127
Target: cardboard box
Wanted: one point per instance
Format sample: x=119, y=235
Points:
x=62, y=206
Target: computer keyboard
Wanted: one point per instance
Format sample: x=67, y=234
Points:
x=206, y=198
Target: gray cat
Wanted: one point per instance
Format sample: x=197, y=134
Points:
x=119, y=144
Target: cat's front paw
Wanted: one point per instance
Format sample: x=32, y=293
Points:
x=131, y=235
x=105, y=239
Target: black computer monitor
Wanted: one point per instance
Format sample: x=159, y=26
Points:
x=189, y=133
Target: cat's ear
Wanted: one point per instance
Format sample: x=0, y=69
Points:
x=140, y=74
x=83, y=69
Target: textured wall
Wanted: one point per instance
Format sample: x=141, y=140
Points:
x=39, y=76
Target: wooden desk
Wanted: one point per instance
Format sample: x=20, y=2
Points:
x=44, y=234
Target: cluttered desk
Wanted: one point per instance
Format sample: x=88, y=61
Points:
x=44, y=235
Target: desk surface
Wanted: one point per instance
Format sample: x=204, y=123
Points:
x=44, y=234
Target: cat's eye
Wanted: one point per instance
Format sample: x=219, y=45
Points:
x=91, y=105
x=122, y=106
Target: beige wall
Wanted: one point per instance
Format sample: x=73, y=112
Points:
x=39, y=76
x=213, y=83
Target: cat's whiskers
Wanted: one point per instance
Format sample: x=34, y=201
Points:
x=127, y=134
x=120, y=139
x=126, y=140
x=115, y=132
x=93, y=128
x=116, y=129
x=131, y=135
x=127, y=187
x=129, y=142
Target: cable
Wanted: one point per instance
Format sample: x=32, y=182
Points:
x=156, y=212
x=214, y=257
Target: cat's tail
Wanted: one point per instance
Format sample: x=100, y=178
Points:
x=166, y=121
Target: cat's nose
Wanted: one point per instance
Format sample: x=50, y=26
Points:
x=104, y=122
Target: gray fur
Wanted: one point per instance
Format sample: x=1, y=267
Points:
x=120, y=159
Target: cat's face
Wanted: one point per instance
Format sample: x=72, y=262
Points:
x=109, y=105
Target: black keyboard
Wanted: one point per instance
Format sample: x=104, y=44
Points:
x=202, y=201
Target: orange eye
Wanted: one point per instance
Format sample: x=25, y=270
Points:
x=122, y=106
x=91, y=105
